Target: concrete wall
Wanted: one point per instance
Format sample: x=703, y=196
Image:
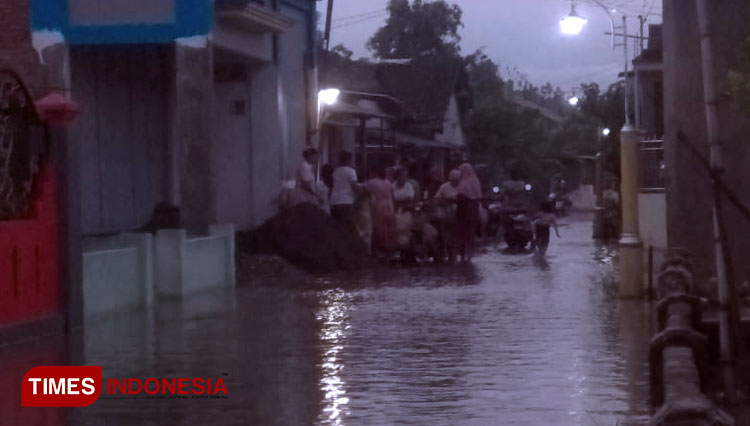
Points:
x=118, y=274
x=191, y=102
x=688, y=186
x=292, y=67
x=279, y=105
x=652, y=219
x=187, y=265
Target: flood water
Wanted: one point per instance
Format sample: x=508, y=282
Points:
x=508, y=340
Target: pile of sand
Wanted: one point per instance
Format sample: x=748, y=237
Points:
x=308, y=238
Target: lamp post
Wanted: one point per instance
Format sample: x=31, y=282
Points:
x=599, y=228
x=631, y=246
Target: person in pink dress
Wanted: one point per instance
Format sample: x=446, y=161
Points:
x=383, y=214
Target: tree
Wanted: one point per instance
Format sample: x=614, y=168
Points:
x=418, y=29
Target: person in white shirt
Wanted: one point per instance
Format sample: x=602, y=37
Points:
x=403, y=191
x=344, y=191
x=307, y=191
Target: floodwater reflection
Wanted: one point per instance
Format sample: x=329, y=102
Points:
x=332, y=316
x=500, y=342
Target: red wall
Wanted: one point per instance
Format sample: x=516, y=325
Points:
x=29, y=257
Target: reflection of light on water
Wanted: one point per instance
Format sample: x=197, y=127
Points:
x=332, y=316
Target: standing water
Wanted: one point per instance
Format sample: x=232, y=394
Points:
x=507, y=340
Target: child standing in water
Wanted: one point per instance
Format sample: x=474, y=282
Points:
x=541, y=224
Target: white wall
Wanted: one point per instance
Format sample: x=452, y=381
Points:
x=233, y=156
x=279, y=117
x=452, y=131
x=652, y=216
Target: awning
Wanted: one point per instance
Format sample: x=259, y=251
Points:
x=406, y=139
x=346, y=108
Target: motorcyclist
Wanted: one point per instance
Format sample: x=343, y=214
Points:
x=513, y=192
x=516, y=227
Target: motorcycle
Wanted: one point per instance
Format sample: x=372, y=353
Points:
x=517, y=227
x=561, y=203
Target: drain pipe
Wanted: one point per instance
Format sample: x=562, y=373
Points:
x=712, y=125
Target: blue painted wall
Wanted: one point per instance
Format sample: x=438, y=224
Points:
x=192, y=17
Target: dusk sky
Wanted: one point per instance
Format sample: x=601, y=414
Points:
x=520, y=33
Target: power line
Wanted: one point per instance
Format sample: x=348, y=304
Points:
x=580, y=78
x=359, y=15
x=360, y=20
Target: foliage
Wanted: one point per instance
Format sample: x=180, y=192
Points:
x=503, y=135
x=417, y=29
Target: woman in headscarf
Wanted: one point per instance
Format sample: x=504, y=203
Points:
x=383, y=213
x=469, y=195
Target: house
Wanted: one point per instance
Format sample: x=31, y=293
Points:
x=688, y=184
x=648, y=96
x=408, y=110
x=195, y=107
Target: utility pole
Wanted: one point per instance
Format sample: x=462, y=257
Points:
x=329, y=14
x=711, y=99
x=642, y=21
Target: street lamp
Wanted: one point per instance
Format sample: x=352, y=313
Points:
x=573, y=101
x=328, y=96
x=573, y=23
x=606, y=131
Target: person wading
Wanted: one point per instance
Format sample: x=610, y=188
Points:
x=467, y=214
x=383, y=214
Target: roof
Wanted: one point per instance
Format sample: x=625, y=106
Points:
x=424, y=85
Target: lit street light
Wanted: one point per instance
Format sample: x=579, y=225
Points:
x=573, y=23
x=573, y=101
x=328, y=96
x=606, y=131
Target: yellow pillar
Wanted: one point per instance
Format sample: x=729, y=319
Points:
x=631, y=246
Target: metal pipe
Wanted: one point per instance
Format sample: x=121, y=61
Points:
x=611, y=19
x=713, y=133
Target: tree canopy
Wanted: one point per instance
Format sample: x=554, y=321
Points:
x=417, y=29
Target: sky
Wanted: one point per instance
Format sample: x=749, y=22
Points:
x=521, y=34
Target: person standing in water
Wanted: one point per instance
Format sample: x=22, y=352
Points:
x=469, y=194
x=541, y=224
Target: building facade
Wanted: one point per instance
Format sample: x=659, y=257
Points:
x=688, y=184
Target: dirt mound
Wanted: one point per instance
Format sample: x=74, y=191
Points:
x=308, y=238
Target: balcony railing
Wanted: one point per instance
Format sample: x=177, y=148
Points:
x=652, y=166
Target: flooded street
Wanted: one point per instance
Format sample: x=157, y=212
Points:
x=505, y=341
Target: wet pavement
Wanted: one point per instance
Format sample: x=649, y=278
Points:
x=508, y=340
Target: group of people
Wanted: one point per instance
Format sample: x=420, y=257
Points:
x=400, y=219
x=392, y=212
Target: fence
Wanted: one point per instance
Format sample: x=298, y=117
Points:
x=129, y=271
x=678, y=360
